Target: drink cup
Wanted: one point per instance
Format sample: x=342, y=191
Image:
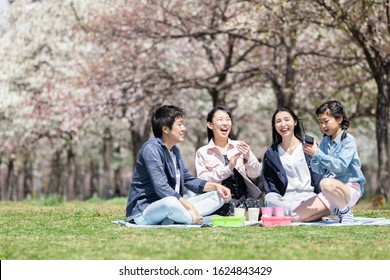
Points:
x=279, y=211
x=239, y=212
x=266, y=211
x=253, y=214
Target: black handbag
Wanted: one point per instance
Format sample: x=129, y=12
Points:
x=236, y=184
x=238, y=189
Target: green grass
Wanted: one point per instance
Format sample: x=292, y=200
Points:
x=54, y=230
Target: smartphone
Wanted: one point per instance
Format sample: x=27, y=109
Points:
x=309, y=139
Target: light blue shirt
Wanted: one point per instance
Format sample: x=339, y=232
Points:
x=339, y=160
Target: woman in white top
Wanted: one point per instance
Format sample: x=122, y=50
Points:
x=287, y=175
x=226, y=161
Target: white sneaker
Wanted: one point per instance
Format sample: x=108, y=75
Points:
x=345, y=217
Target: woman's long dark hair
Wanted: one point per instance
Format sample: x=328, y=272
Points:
x=299, y=131
x=336, y=110
x=210, y=117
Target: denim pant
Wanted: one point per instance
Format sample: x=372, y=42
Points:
x=171, y=208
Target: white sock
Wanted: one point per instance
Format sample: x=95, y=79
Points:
x=345, y=209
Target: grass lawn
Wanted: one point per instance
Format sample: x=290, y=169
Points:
x=50, y=230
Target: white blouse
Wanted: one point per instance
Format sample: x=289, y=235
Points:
x=297, y=171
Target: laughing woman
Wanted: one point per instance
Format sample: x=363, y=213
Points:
x=287, y=176
x=229, y=162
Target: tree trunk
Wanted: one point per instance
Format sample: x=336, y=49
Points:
x=118, y=182
x=19, y=184
x=78, y=181
x=137, y=141
x=94, y=181
x=139, y=136
x=27, y=178
x=2, y=180
x=70, y=175
x=82, y=182
x=55, y=186
x=8, y=186
x=382, y=134
x=217, y=96
x=108, y=175
x=118, y=191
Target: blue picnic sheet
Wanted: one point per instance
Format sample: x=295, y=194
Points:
x=127, y=224
x=357, y=221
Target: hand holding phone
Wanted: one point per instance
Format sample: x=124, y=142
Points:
x=309, y=139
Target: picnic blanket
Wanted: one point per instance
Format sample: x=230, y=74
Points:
x=357, y=221
x=206, y=222
x=127, y=224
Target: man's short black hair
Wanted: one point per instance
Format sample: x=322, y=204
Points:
x=165, y=116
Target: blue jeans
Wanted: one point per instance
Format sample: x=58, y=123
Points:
x=171, y=208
